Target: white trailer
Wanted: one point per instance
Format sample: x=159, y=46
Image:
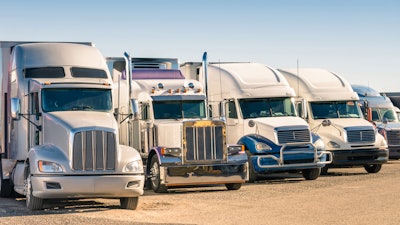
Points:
x=331, y=108
x=257, y=103
x=59, y=138
x=164, y=115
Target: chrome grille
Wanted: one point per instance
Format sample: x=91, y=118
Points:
x=290, y=136
x=361, y=136
x=393, y=137
x=204, y=142
x=94, y=150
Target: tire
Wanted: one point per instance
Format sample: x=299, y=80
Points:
x=233, y=186
x=129, y=203
x=324, y=170
x=6, y=188
x=373, y=168
x=32, y=202
x=155, y=179
x=252, y=173
x=311, y=174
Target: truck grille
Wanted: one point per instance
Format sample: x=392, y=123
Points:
x=361, y=136
x=393, y=137
x=94, y=151
x=290, y=136
x=205, y=141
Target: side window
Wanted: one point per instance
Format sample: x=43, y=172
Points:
x=145, y=111
x=231, y=110
x=35, y=104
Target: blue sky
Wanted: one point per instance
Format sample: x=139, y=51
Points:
x=358, y=39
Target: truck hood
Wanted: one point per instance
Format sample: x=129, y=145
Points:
x=80, y=119
x=389, y=126
x=273, y=122
x=269, y=126
x=342, y=123
x=169, y=133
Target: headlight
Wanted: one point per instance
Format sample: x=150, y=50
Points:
x=333, y=144
x=176, y=152
x=319, y=144
x=134, y=166
x=235, y=149
x=49, y=167
x=383, y=145
x=262, y=146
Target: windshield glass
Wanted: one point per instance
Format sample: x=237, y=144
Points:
x=337, y=109
x=265, y=107
x=72, y=99
x=178, y=109
x=379, y=113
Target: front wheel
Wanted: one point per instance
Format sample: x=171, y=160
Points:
x=32, y=202
x=252, y=173
x=311, y=174
x=129, y=203
x=233, y=186
x=374, y=168
x=155, y=176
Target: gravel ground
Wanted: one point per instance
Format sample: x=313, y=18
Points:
x=344, y=196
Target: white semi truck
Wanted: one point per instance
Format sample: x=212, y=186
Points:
x=257, y=103
x=379, y=110
x=164, y=116
x=330, y=106
x=59, y=138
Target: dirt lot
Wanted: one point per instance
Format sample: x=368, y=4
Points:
x=344, y=196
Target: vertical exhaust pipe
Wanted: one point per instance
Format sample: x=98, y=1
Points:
x=205, y=79
x=128, y=69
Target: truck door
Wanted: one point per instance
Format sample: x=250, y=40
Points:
x=34, y=136
x=233, y=129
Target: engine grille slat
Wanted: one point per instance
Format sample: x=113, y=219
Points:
x=393, y=137
x=290, y=136
x=94, y=151
x=361, y=136
x=204, y=143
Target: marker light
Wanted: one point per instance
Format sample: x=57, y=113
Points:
x=191, y=85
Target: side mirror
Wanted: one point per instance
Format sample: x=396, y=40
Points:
x=15, y=108
x=135, y=109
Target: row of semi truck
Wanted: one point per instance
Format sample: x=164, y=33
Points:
x=77, y=125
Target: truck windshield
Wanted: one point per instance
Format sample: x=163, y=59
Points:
x=266, y=107
x=336, y=109
x=178, y=109
x=73, y=99
x=379, y=113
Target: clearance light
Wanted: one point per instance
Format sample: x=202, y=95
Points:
x=47, y=83
x=185, y=90
x=199, y=90
x=106, y=84
x=170, y=91
x=177, y=90
x=153, y=90
x=191, y=85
